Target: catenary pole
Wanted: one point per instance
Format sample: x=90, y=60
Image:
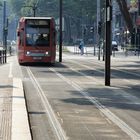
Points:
x=108, y=41
x=4, y=23
x=97, y=24
x=60, y=31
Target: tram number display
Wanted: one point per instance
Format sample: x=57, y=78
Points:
x=37, y=58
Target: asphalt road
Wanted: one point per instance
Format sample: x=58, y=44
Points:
x=69, y=100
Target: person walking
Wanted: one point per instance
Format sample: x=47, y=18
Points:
x=81, y=47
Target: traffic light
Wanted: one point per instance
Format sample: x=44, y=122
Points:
x=91, y=29
x=99, y=27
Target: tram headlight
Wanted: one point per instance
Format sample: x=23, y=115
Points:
x=47, y=53
x=28, y=53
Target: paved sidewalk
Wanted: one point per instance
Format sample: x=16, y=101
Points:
x=13, y=113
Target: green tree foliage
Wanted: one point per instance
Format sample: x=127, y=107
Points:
x=76, y=8
x=0, y=3
x=48, y=8
x=17, y=6
x=77, y=13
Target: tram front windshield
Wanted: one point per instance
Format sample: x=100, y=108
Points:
x=37, y=32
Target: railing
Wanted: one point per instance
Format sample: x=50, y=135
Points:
x=78, y=51
x=134, y=49
x=3, y=57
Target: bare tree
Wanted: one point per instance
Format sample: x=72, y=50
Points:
x=124, y=10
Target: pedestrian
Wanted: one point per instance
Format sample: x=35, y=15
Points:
x=81, y=47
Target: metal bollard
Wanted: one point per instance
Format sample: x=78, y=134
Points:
x=0, y=57
x=5, y=56
x=2, y=61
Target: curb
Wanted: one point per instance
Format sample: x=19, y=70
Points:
x=20, y=123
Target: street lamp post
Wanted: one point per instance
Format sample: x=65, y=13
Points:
x=108, y=41
x=4, y=24
x=97, y=24
x=60, y=31
x=5, y=28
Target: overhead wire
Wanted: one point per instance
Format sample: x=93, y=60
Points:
x=37, y=3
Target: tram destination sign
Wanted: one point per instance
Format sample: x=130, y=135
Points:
x=38, y=22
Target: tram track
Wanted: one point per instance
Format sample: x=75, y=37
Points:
x=127, y=71
x=102, y=66
x=127, y=95
x=60, y=134
x=111, y=116
x=113, y=75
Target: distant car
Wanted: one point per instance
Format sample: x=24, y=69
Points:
x=114, y=46
x=13, y=42
x=1, y=48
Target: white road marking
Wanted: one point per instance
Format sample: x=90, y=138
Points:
x=61, y=120
x=58, y=114
x=108, y=120
x=125, y=127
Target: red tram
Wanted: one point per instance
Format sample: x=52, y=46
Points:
x=36, y=40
